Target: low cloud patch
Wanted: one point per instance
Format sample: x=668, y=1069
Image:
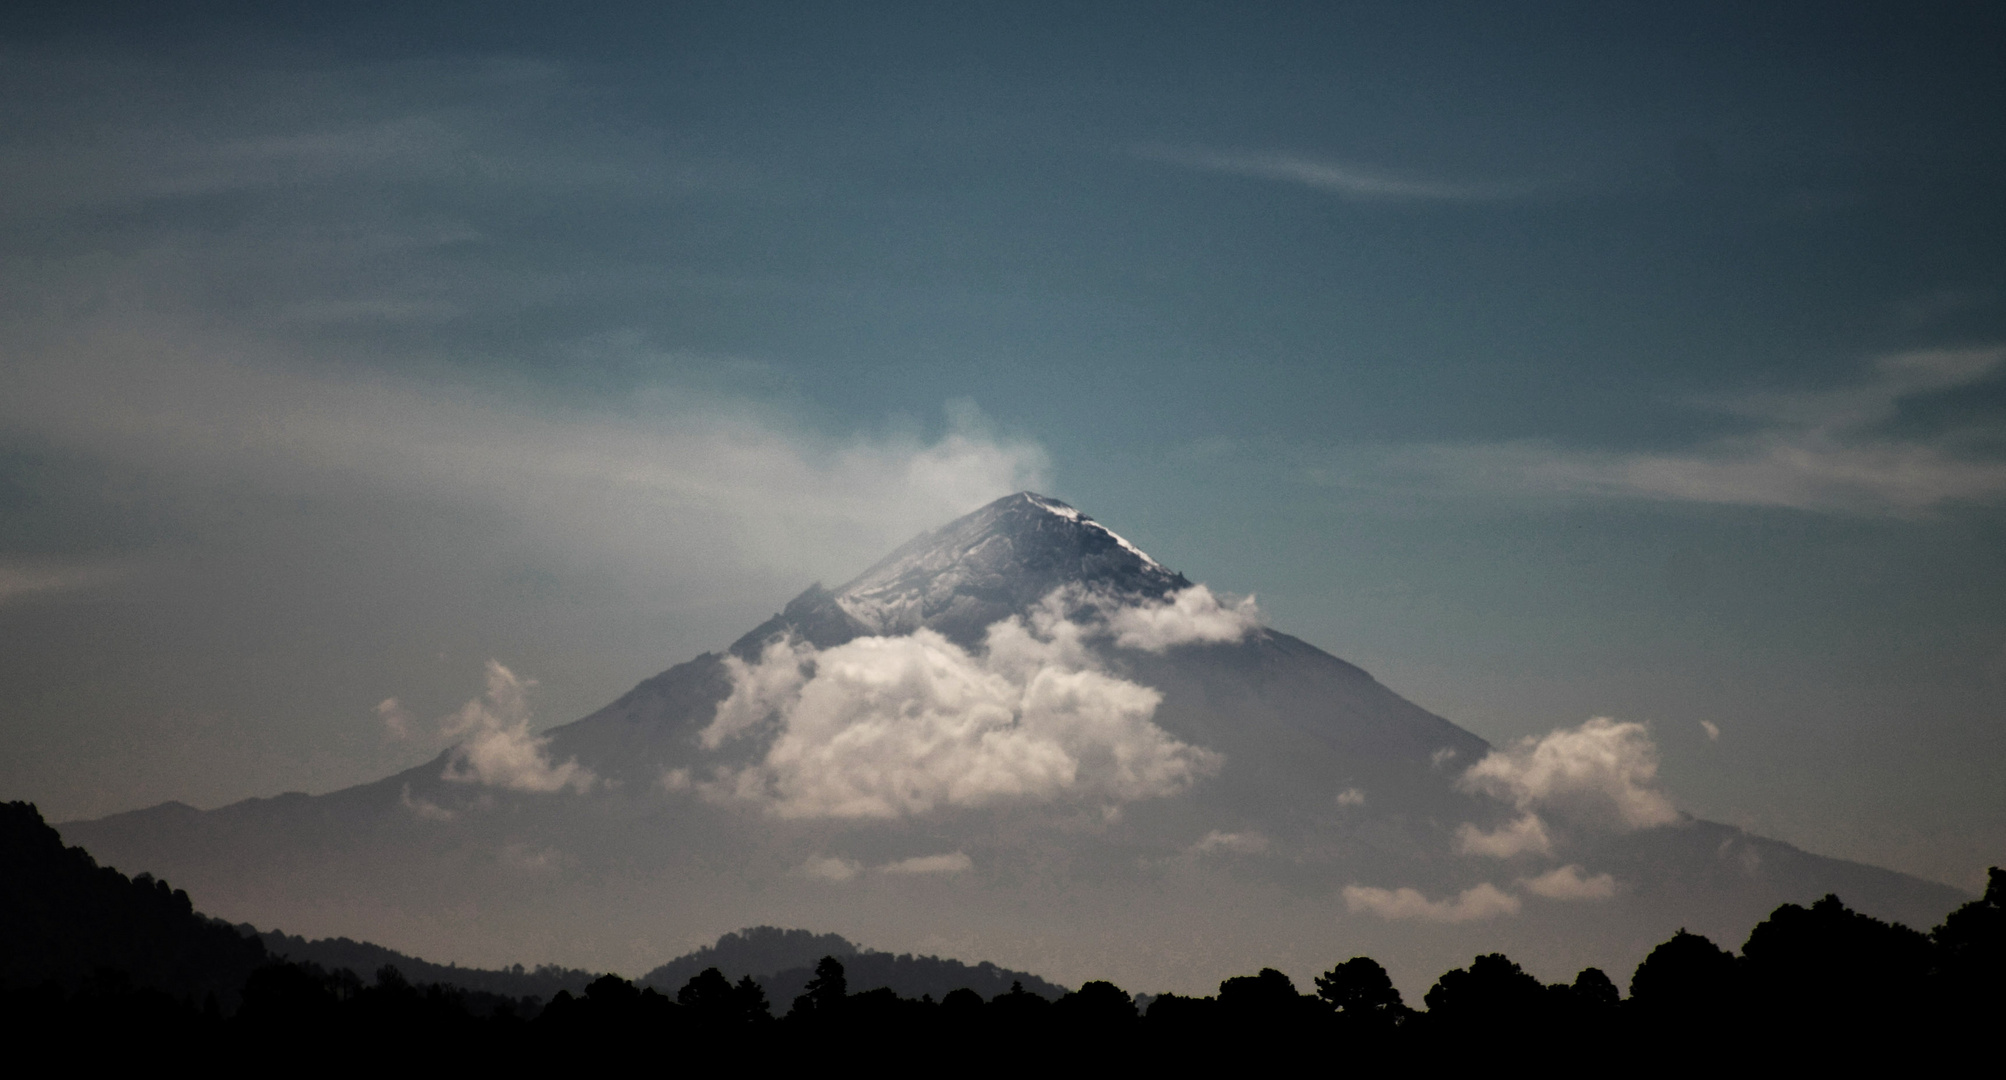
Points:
x=498, y=749
x=829, y=868
x=1601, y=773
x=1485, y=901
x=949, y=864
x=1522, y=835
x=424, y=808
x=1192, y=616
x=1236, y=843
x=886, y=727
x=1570, y=882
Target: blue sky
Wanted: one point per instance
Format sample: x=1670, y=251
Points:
x=1548, y=361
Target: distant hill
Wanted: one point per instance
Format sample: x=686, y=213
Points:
x=541, y=982
x=782, y=962
x=63, y=918
x=758, y=951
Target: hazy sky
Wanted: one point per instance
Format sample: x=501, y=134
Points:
x=1549, y=362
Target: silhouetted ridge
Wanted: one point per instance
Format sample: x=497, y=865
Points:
x=783, y=962
x=64, y=918
x=334, y=954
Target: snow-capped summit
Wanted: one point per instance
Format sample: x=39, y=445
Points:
x=999, y=560
x=991, y=564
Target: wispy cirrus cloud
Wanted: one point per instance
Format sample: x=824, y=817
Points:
x=1346, y=180
x=1832, y=451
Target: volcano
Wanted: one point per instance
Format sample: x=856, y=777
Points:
x=1019, y=738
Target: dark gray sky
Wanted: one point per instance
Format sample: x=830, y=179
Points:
x=1548, y=361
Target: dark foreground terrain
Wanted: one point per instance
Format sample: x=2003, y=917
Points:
x=105, y=967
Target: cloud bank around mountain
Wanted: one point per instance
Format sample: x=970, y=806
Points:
x=886, y=727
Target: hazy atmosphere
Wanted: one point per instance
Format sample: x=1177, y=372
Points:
x=377, y=378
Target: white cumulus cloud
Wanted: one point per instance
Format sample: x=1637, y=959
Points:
x=1570, y=882
x=1187, y=617
x=499, y=750
x=883, y=727
x=1485, y=901
x=1601, y=773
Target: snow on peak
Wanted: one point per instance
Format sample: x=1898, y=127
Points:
x=996, y=562
x=1059, y=509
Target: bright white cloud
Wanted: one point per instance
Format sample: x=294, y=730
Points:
x=952, y=863
x=497, y=747
x=1570, y=882
x=1818, y=450
x=885, y=727
x=1525, y=833
x=1237, y=843
x=1485, y=901
x=1601, y=773
x=1187, y=617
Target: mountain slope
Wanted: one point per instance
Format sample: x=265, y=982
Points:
x=1019, y=737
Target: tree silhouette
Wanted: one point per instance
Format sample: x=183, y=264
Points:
x=710, y=999
x=1826, y=970
x=1492, y=993
x=749, y=1002
x=1687, y=982
x=826, y=991
x=1594, y=990
x=1360, y=991
x=1098, y=1007
x=1971, y=955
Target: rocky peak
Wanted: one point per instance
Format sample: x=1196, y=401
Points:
x=958, y=579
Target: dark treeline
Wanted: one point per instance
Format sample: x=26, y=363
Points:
x=1811, y=983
